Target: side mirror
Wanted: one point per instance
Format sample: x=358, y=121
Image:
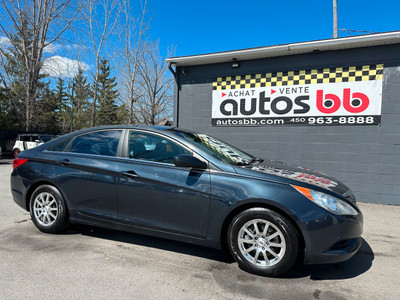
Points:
x=189, y=161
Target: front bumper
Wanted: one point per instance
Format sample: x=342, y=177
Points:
x=333, y=239
x=335, y=255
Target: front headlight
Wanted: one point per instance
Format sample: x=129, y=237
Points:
x=327, y=202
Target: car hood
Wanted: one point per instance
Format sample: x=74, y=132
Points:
x=273, y=169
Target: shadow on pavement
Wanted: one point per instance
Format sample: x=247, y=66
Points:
x=360, y=263
x=153, y=242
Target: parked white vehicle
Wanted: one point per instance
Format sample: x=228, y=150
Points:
x=29, y=140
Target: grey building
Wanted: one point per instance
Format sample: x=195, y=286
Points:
x=330, y=105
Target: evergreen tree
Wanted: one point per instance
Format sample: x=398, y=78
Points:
x=17, y=86
x=47, y=108
x=63, y=103
x=9, y=112
x=4, y=109
x=43, y=110
x=81, y=109
x=46, y=21
x=107, y=95
x=123, y=115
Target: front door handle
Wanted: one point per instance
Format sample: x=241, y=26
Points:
x=130, y=174
x=64, y=162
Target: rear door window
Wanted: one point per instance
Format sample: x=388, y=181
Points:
x=98, y=143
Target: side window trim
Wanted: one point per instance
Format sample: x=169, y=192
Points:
x=67, y=148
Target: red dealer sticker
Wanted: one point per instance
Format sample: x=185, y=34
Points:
x=339, y=96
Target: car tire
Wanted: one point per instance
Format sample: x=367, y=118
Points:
x=16, y=151
x=48, y=210
x=263, y=242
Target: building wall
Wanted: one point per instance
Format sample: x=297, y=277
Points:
x=366, y=158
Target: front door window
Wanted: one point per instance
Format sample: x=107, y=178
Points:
x=151, y=147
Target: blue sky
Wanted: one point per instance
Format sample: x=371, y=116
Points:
x=196, y=27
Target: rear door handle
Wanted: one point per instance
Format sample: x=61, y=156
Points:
x=130, y=174
x=64, y=162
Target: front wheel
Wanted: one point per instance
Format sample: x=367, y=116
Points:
x=263, y=242
x=48, y=210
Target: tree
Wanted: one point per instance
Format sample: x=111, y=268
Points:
x=101, y=16
x=48, y=20
x=81, y=105
x=14, y=75
x=154, y=86
x=132, y=33
x=4, y=110
x=64, y=109
x=47, y=120
x=107, y=95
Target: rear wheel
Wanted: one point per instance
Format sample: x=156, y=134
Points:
x=263, y=242
x=48, y=210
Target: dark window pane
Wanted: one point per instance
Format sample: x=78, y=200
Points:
x=153, y=148
x=99, y=143
x=60, y=146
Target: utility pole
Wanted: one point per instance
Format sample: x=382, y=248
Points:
x=335, y=30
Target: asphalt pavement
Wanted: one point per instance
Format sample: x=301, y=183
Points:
x=93, y=263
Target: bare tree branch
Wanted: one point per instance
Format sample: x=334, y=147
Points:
x=133, y=29
x=40, y=16
x=153, y=87
x=108, y=14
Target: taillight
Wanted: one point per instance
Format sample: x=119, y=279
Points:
x=19, y=161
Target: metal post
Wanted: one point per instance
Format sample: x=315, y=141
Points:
x=335, y=29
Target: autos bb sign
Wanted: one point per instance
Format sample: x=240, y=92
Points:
x=330, y=96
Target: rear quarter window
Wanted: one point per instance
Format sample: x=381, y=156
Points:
x=59, y=146
x=98, y=143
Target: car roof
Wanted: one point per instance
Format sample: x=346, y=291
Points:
x=124, y=126
x=129, y=126
x=168, y=130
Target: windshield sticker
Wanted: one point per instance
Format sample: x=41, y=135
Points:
x=304, y=177
x=221, y=148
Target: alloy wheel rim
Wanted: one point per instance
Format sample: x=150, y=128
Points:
x=45, y=209
x=261, y=243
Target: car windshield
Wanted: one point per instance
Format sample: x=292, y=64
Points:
x=217, y=148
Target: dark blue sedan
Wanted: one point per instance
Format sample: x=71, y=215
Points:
x=190, y=187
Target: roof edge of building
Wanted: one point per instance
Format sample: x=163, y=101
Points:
x=369, y=40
